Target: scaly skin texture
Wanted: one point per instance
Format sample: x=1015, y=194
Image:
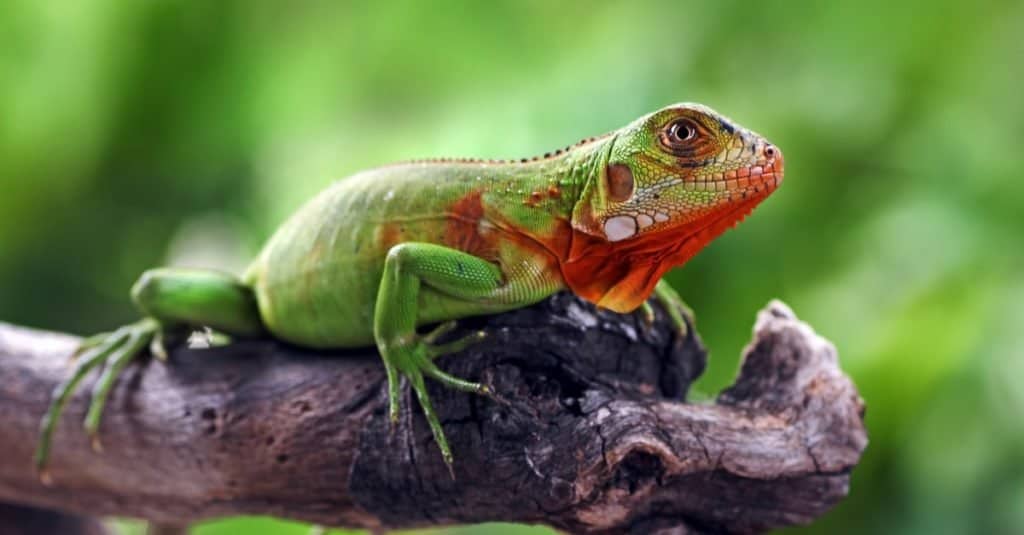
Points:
x=389, y=249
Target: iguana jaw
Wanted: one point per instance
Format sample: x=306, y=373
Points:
x=620, y=275
x=744, y=191
x=755, y=182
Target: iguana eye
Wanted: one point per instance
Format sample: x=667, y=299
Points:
x=680, y=136
x=681, y=131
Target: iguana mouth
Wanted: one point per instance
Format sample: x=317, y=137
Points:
x=764, y=177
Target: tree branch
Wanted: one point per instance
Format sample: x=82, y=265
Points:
x=593, y=436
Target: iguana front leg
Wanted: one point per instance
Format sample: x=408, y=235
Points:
x=457, y=279
x=679, y=313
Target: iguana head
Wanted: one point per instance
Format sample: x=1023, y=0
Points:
x=664, y=187
x=682, y=166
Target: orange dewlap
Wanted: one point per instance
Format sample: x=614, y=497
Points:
x=620, y=276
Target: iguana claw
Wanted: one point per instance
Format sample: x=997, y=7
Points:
x=414, y=360
x=109, y=351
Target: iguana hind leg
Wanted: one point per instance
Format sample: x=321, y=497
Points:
x=171, y=299
x=176, y=296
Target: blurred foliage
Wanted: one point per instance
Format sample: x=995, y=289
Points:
x=134, y=134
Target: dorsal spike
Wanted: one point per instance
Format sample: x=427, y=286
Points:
x=498, y=161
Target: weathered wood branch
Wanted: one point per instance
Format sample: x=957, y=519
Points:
x=593, y=436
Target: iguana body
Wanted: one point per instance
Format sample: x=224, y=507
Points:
x=387, y=250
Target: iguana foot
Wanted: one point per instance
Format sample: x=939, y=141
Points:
x=414, y=359
x=110, y=351
x=678, y=312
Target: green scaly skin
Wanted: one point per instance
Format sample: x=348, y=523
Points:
x=387, y=250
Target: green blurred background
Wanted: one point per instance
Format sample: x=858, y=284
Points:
x=134, y=134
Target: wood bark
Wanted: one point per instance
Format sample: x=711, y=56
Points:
x=591, y=435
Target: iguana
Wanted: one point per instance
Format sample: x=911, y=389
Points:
x=385, y=251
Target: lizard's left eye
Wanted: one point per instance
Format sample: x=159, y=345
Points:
x=680, y=135
x=681, y=131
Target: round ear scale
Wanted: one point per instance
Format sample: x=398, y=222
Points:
x=619, y=182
